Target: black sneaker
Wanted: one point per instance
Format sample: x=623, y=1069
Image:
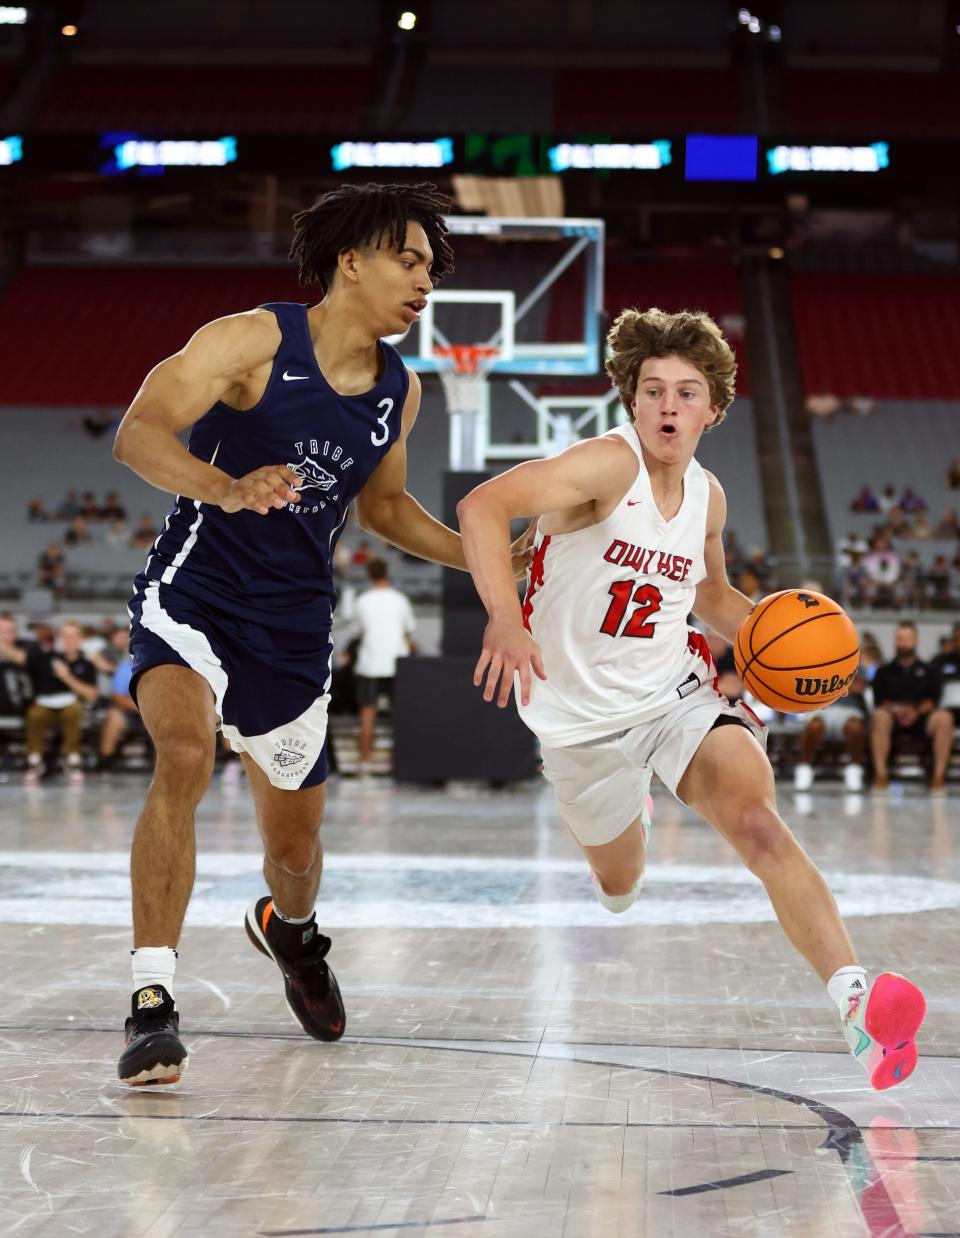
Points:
x=153, y=1051
x=313, y=994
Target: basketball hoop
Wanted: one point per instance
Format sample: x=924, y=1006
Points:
x=463, y=382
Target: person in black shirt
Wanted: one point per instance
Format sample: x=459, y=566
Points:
x=63, y=682
x=947, y=663
x=15, y=689
x=906, y=696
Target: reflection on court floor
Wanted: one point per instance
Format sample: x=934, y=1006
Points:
x=517, y=1061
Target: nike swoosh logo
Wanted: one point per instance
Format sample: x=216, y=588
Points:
x=634, y=502
x=294, y=378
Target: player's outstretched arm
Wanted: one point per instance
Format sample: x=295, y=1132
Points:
x=590, y=472
x=718, y=604
x=177, y=392
x=386, y=509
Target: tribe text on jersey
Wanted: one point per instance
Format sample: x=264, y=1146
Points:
x=608, y=606
x=278, y=568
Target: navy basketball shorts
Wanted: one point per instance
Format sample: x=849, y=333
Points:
x=271, y=688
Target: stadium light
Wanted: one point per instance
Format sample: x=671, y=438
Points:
x=407, y=20
x=12, y=15
x=68, y=31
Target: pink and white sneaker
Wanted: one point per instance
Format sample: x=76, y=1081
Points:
x=880, y=1026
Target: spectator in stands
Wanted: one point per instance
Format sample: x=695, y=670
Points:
x=52, y=570
x=748, y=582
x=105, y=422
x=949, y=526
x=921, y=527
x=63, y=682
x=898, y=525
x=15, y=688
x=822, y=405
x=906, y=698
x=866, y=501
x=871, y=659
x=733, y=554
x=37, y=512
x=853, y=543
x=386, y=622
x=888, y=499
x=947, y=663
x=845, y=719
x=882, y=568
x=89, y=508
x=856, y=586
x=112, y=508
x=859, y=405
x=118, y=535
x=145, y=533
x=910, y=502
x=70, y=506
x=78, y=534
x=953, y=474
x=909, y=589
x=361, y=556
x=940, y=584
x=122, y=713
x=762, y=568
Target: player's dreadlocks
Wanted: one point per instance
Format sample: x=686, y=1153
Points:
x=357, y=215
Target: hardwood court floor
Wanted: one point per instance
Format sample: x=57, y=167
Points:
x=518, y=1063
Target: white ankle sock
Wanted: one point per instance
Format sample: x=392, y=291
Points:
x=293, y=919
x=842, y=981
x=154, y=965
x=616, y=902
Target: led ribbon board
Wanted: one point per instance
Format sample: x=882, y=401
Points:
x=610, y=156
x=11, y=151
x=872, y=158
x=130, y=153
x=434, y=154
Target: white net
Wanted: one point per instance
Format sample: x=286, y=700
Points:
x=464, y=382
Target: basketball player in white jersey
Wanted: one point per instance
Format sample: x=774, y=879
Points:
x=617, y=686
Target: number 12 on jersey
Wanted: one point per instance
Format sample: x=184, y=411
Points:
x=648, y=599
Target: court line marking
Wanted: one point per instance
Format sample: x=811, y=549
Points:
x=843, y=1135
x=722, y=1184
x=367, y=1229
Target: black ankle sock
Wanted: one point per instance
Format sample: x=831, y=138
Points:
x=293, y=940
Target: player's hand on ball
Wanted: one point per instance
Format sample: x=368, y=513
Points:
x=264, y=488
x=521, y=551
x=507, y=648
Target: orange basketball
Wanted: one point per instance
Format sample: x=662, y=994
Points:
x=797, y=651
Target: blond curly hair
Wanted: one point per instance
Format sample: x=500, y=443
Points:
x=637, y=335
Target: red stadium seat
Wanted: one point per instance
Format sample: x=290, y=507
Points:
x=272, y=98
x=113, y=324
x=887, y=336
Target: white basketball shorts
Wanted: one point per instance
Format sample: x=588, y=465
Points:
x=600, y=785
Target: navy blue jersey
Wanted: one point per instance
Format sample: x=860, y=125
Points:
x=277, y=569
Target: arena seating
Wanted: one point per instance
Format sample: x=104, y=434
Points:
x=640, y=99
x=890, y=336
x=113, y=324
x=274, y=99
x=823, y=102
x=903, y=443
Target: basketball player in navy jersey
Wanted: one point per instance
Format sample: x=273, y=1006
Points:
x=294, y=412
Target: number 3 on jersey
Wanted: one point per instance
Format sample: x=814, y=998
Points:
x=378, y=440
x=648, y=599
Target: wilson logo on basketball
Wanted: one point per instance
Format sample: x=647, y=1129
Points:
x=823, y=687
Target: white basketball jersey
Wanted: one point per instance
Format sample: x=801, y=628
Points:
x=608, y=606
